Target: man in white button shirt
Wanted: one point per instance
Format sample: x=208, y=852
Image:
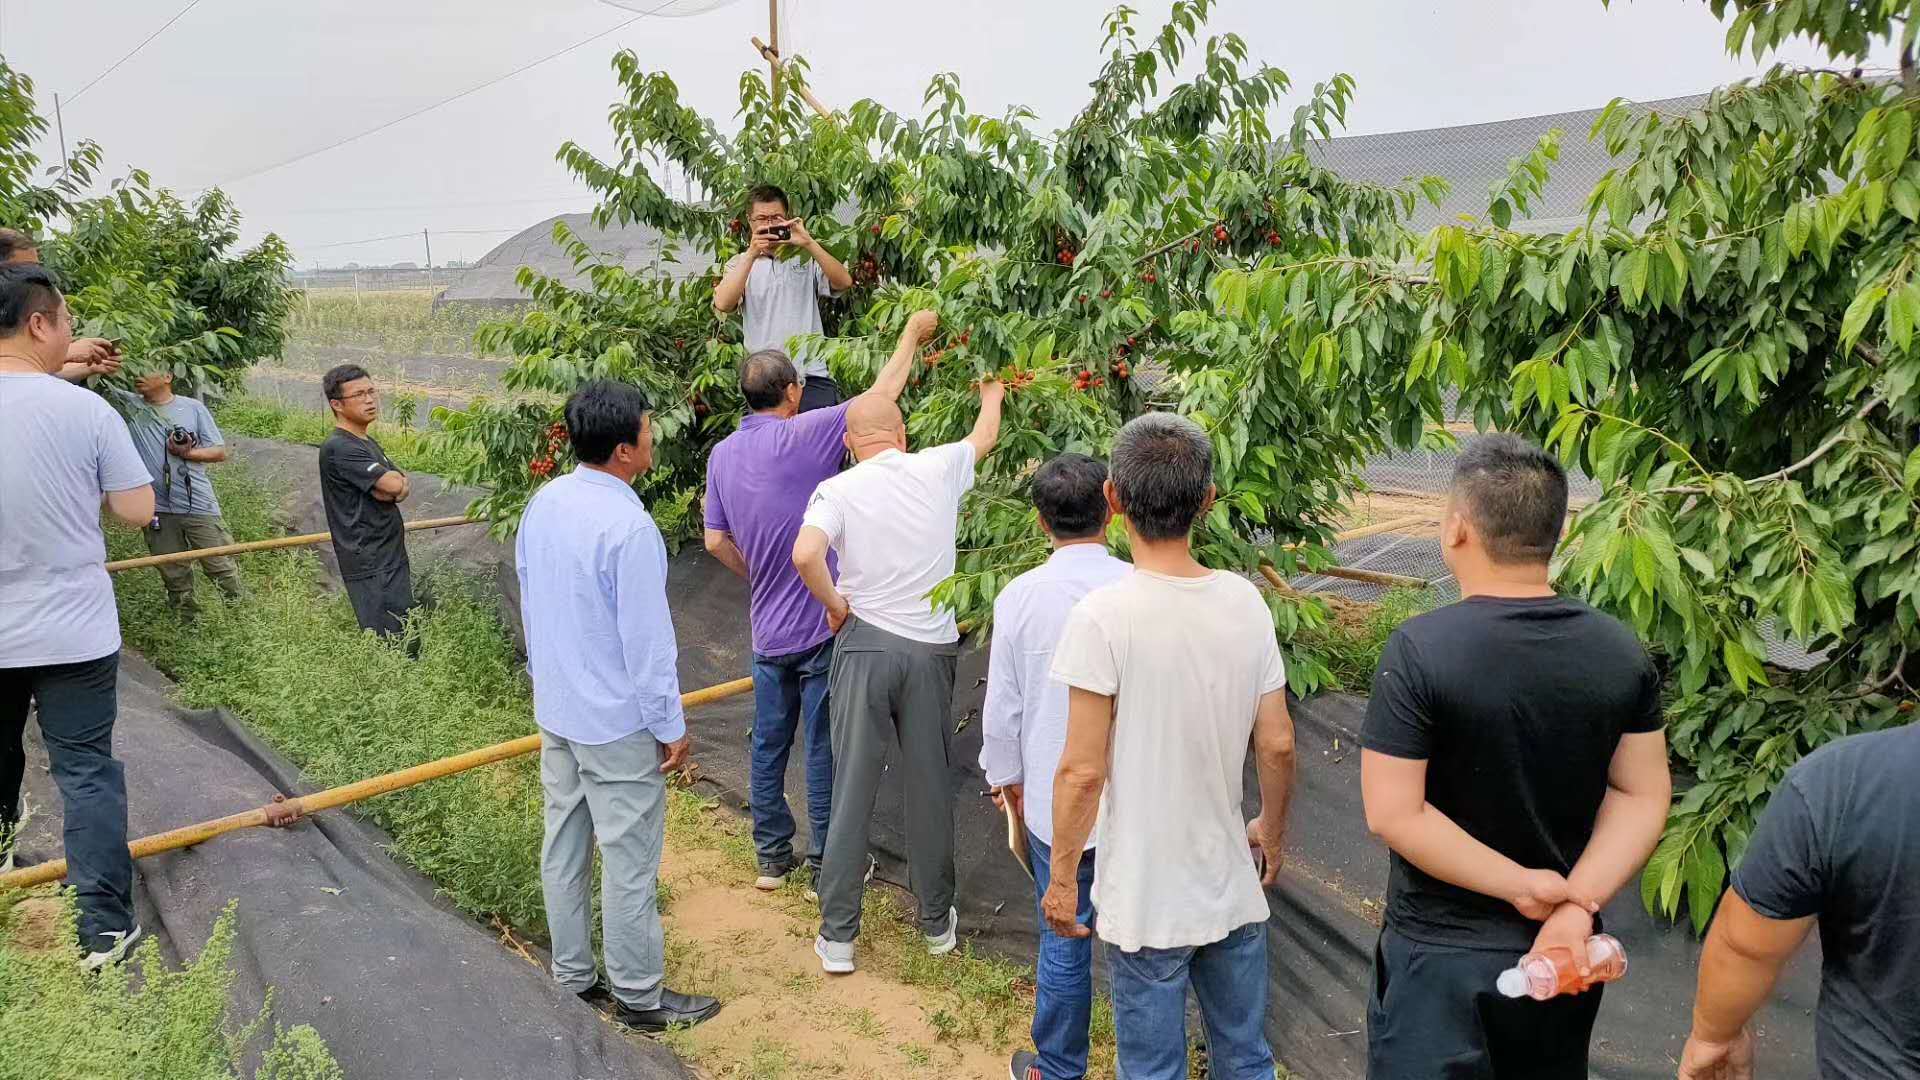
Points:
x=1172, y=671
x=891, y=519
x=1024, y=727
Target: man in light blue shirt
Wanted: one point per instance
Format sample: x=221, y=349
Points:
x=600, y=647
x=1024, y=728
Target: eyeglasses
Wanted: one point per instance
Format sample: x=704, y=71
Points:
x=360, y=395
x=767, y=219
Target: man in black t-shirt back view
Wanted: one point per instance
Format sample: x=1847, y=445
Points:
x=1838, y=847
x=362, y=492
x=1514, y=761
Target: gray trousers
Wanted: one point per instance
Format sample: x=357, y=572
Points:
x=886, y=688
x=613, y=793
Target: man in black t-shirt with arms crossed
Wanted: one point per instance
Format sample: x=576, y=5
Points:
x=362, y=492
x=1513, y=759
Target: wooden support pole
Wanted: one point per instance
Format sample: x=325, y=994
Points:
x=304, y=540
x=291, y=809
x=772, y=54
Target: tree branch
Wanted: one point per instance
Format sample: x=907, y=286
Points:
x=1827, y=445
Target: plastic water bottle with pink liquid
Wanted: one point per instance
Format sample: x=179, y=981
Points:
x=1551, y=972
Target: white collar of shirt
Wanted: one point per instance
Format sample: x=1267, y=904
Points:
x=606, y=480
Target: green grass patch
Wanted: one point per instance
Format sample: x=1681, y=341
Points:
x=1350, y=643
x=138, y=1021
x=410, y=448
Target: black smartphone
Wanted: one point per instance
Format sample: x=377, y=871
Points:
x=780, y=232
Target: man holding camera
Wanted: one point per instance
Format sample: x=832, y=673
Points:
x=782, y=294
x=177, y=438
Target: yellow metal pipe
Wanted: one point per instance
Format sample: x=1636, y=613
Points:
x=304, y=540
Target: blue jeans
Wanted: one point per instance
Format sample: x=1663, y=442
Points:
x=1063, y=998
x=1229, y=977
x=790, y=692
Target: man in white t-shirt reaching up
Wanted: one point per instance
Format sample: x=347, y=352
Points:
x=891, y=519
x=1170, y=671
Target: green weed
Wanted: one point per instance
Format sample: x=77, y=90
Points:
x=1350, y=643
x=135, y=1021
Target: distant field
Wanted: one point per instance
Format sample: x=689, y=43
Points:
x=411, y=350
x=401, y=322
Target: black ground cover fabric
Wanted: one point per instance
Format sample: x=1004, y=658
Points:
x=1325, y=912
x=398, y=982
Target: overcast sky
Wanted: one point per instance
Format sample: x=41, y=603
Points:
x=239, y=85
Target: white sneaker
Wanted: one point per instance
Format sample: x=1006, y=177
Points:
x=117, y=943
x=944, y=944
x=836, y=957
x=769, y=882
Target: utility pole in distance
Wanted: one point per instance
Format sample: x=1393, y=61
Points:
x=61, y=122
x=428, y=237
x=773, y=65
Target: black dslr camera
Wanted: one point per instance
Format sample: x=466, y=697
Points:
x=179, y=436
x=778, y=232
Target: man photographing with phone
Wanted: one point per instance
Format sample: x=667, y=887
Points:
x=779, y=293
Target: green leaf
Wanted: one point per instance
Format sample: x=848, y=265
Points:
x=1501, y=213
x=1911, y=475
x=1858, y=312
x=1797, y=227
x=1699, y=561
x=1906, y=199
x=1646, y=567
x=1706, y=873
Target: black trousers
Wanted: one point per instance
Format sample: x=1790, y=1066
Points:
x=77, y=704
x=1435, y=1014
x=819, y=392
x=381, y=600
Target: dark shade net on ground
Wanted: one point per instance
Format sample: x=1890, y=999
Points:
x=1325, y=912
x=398, y=982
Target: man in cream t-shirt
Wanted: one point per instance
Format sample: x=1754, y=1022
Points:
x=1170, y=672
x=891, y=520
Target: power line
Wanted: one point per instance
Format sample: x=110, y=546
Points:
x=558, y=197
x=136, y=50
x=470, y=91
x=406, y=236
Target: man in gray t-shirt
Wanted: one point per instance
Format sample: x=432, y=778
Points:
x=63, y=453
x=1838, y=847
x=779, y=291
x=177, y=438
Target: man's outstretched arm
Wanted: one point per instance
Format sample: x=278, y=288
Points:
x=892, y=380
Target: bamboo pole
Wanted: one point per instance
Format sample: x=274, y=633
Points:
x=283, y=813
x=772, y=55
x=303, y=540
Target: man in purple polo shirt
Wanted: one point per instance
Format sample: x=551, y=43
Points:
x=758, y=482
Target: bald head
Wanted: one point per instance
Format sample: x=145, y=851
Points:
x=874, y=424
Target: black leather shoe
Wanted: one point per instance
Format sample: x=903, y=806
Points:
x=597, y=996
x=674, y=1008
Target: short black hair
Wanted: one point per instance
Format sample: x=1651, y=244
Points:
x=1516, y=496
x=1070, y=493
x=602, y=415
x=768, y=193
x=1162, y=471
x=26, y=290
x=764, y=378
x=332, y=381
x=13, y=242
